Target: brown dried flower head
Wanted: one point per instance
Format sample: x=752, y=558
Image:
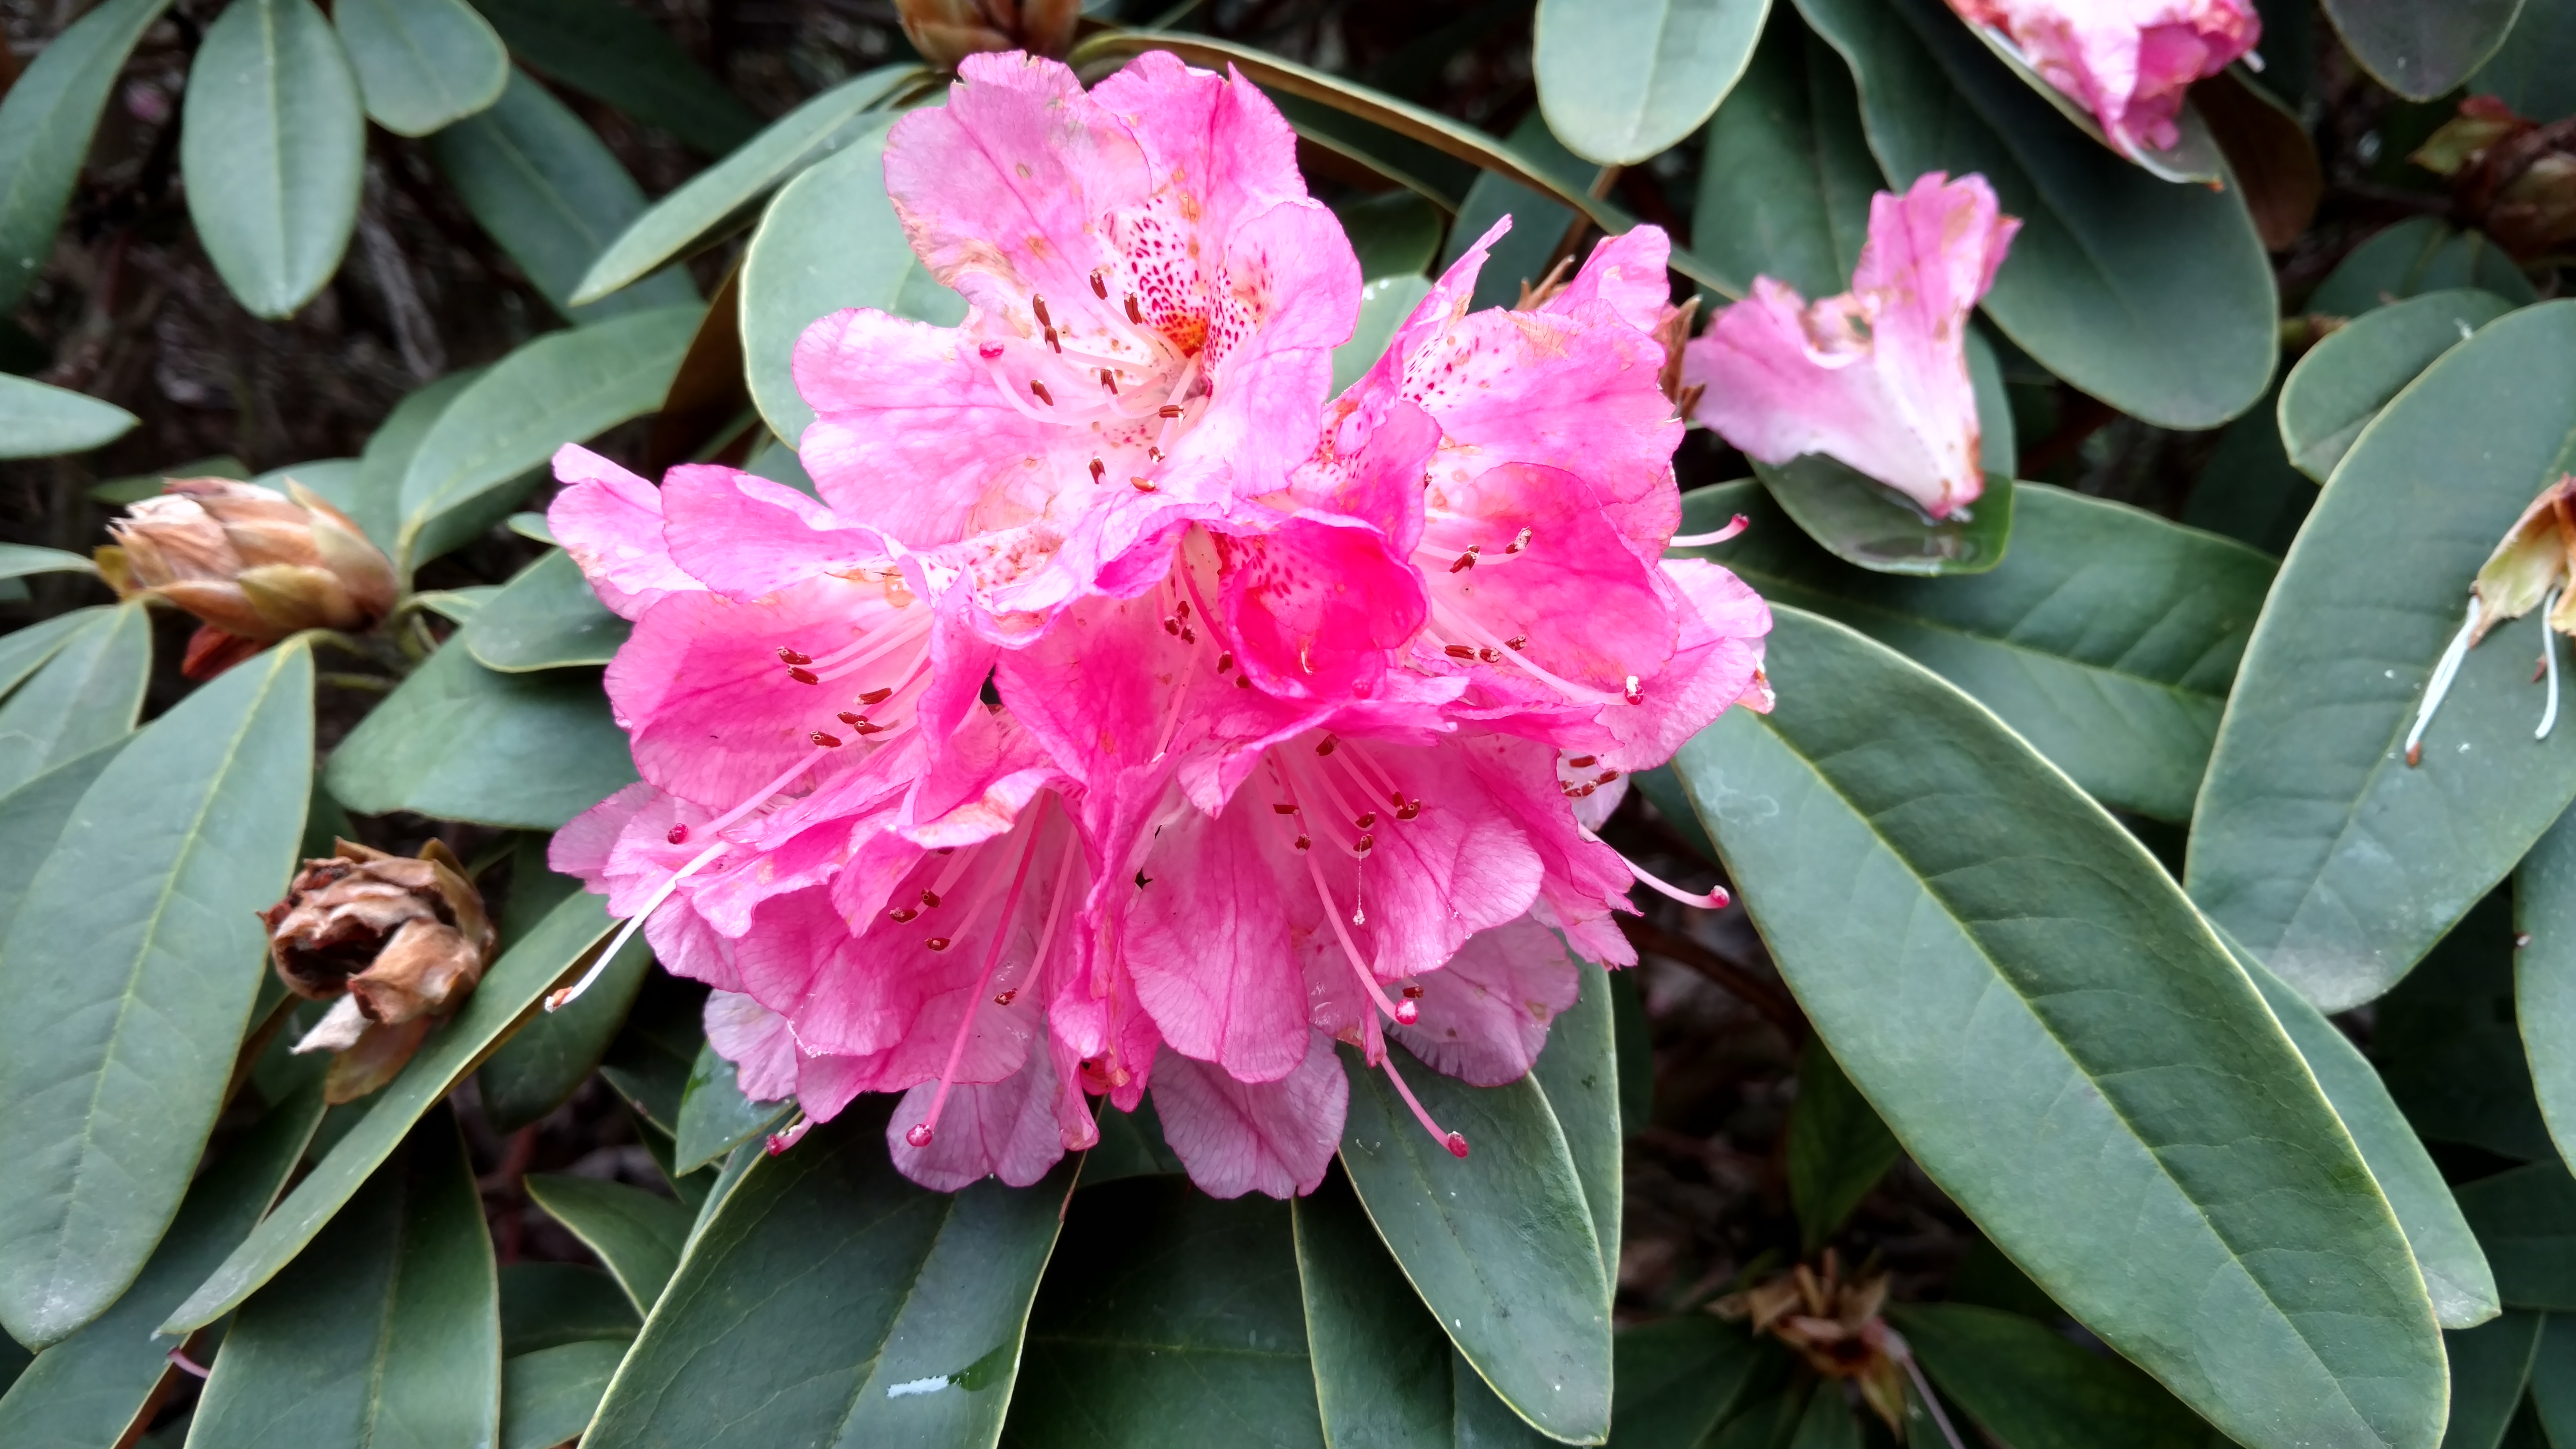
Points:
x=1834, y=1324
x=398, y=941
x=948, y=31
x=255, y=564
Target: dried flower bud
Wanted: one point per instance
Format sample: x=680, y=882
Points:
x=2515, y=178
x=400, y=941
x=948, y=31
x=1835, y=1326
x=256, y=565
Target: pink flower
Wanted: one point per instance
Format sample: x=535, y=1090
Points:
x=2126, y=61
x=1878, y=376
x=1153, y=300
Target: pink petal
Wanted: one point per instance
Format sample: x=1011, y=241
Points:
x=1316, y=605
x=1004, y=1129
x=1271, y=1137
x=582, y=847
x=1218, y=135
x=610, y=521
x=1207, y=941
x=1718, y=663
x=1626, y=273
x=1485, y=1015
x=744, y=536
x=2127, y=62
x=758, y=1043
x=910, y=428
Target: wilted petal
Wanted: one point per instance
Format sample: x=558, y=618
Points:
x=1485, y=1015
x=2126, y=61
x=758, y=1043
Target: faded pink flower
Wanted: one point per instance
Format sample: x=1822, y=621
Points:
x=1878, y=376
x=1153, y=300
x=2127, y=61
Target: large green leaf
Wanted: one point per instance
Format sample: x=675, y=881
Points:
x=421, y=64
x=1539, y=223
x=1394, y=233
x=38, y=420
x=830, y=240
x=387, y=1331
x=560, y=388
x=1785, y=184
x=552, y=194
x=707, y=204
x=2489, y=1368
x=377, y=493
x=1171, y=1320
x=545, y=1062
x=2345, y=380
x=607, y=50
x=1838, y=1149
x=460, y=742
x=1384, y=304
x=2553, y=1378
x=1680, y=1378
x=45, y=126
x=547, y=1305
x=87, y=693
x=32, y=818
x=2064, y=1047
x=2534, y=72
x=2155, y=298
x=2316, y=844
x=638, y=1234
x=548, y=1397
x=1502, y=1244
x=2446, y=1043
x=24, y=651
x=125, y=982
x=1862, y=522
x=82, y=1392
x=1381, y=1361
x=2030, y=1388
x=2107, y=637
x=715, y=1117
x=2455, y=1271
x=2420, y=51
x=1578, y=1073
x=2544, y=974
x=563, y=941
x=2415, y=256
x=2525, y=1219
x=1620, y=80
x=830, y=1302
x=545, y=618
x=272, y=144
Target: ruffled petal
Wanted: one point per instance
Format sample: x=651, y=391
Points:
x=610, y=521
x=1236, y=1137
x=1485, y=1015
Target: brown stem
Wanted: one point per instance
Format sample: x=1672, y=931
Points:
x=1774, y=1003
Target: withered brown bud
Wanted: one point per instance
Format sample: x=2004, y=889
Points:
x=948, y=31
x=2514, y=178
x=1834, y=1323
x=255, y=564
x=400, y=941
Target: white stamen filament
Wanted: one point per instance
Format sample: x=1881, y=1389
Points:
x=2549, y=656
x=1734, y=526
x=2444, y=670
x=1449, y=618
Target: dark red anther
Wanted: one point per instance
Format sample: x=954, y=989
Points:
x=1457, y=1146
x=1189, y=635
x=849, y=718
x=1172, y=627
x=790, y=656
x=1367, y=818
x=1459, y=651
x=1364, y=844
x=1006, y=997
x=876, y=696
x=1052, y=342
x=930, y=899
x=829, y=742
x=679, y=835
x=1039, y=388
x=1464, y=562
x=1411, y=809
x=990, y=350
x=919, y=1136
x=1154, y=453
x=1517, y=643
x=1224, y=661
x=937, y=943
x=1606, y=777
x=869, y=729
x=1133, y=314
x=1037, y=304
x=1168, y=410
x=804, y=676
x=1582, y=762
x=1632, y=691
x=1243, y=681
x=1109, y=380
x=1143, y=485
x=1099, y=288
x=1181, y=609
x=1284, y=808
x=901, y=914
x=1413, y=992
x=1326, y=747
x=1304, y=844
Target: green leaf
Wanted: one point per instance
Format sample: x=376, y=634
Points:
x=638, y=1234
x=2315, y=844
x=1861, y=521
x=86, y=1389
x=2553, y=1378
x=2030, y=1388
x=562, y=942
x=715, y=200
x=2534, y=73
x=2455, y=1271
x=46, y=123
x=1830, y=1421
x=24, y=651
x=272, y=146
x=1170, y=1320
x=125, y=982
x=1396, y=233
x=2420, y=51
x=606, y=50
x=38, y=420
x=548, y=1397
x=1785, y=184
x=562, y=387
x=2544, y=975
x=32, y=818
x=18, y=560
x=1381, y=1362
x=1384, y=305
x=829, y=1301
x=421, y=64
x=2446, y=1043
x=1500, y=1244
x=830, y=240
x=1680, y=1378
x=2063, y=1046
x=2248, y=490
x=2415, y=256
x=545, y=1062
x=1539, y=224
x=89, y=691
x=545, y=618
x=552, y=194
x=460, y=742
x=2107, y=637
x=2345, y=380
x=1838, y=1149
x=547, y=1305
x=1578, y=1073
x=387, y=1332
x=2157, y=299
x=388, y=454
x=2525, y=1218
x=715, y=1117
x=2490, y=1366
x=1620, y=80
x=650, y=1061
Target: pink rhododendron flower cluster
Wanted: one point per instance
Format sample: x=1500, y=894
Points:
x=1307, y=707
x=2127, y=61
x=1878, y=376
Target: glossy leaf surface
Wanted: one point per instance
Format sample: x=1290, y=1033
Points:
x=2030, y=1388
x=461, y=742
x=421, y=64
x=715, y=1117
x=38, y=420
x=548, y=1397
x=87, y=693
x=2525, y=1218
x=2490, y=1366
x=606, y=50
x=638, y=1234
x=2345, y=380
x=2411, y=258
x=544, y=618
x=545, y=1062
x=1838, y=1149
x=1785, y=185
x=2544, y=976
x=1620, y=80
x=1863, y=523
x=2420, y=51
x=272, y=145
